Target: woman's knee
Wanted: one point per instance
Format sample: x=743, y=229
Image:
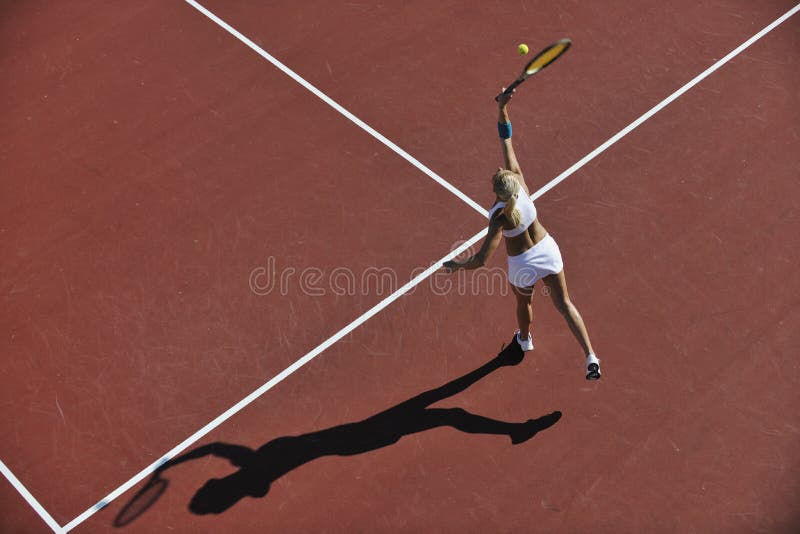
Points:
x=563, y=305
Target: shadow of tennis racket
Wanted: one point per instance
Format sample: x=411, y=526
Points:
x=258, y=468
x=143, y=500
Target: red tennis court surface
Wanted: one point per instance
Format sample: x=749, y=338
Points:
x=152, y=164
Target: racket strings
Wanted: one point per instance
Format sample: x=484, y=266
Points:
x=547, y=56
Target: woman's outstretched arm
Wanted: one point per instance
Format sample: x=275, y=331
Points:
x=509, y=158
x=490, y=244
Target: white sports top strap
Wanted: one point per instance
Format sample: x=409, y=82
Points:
x=527, y=214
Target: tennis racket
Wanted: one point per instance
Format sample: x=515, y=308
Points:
x=539, y=61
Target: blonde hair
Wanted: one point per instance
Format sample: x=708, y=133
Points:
x=506, y=187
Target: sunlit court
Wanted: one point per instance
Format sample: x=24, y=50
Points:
x=269, y=266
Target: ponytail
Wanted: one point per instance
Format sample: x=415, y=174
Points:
x=506, y=186
x=511, y=212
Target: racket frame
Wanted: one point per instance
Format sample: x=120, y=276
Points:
x=525, y=74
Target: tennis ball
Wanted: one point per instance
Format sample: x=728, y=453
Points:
x=522, y=49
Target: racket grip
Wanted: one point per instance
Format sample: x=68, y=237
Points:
x=509, y=89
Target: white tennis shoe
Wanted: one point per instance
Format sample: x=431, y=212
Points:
x=525, y=344
x=592, y=367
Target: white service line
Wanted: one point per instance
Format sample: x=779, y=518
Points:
x=402, y=290
x=332, y=103
x=30, y=499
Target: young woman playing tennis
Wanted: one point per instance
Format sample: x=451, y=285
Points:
x=532, y=253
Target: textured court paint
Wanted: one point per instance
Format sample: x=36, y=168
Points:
x=554, y=184
x=31, y=500
x=661, y=105
x=273, y=382
x=409, y=285
x=325, y=98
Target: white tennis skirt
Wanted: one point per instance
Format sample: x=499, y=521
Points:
x=540, y=260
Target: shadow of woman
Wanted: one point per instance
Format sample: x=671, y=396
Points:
x=259, y=468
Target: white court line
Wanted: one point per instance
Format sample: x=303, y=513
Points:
x=30, y=498
x=325, y=98
x=405, y=288
x=658, y=107
x=274, y=381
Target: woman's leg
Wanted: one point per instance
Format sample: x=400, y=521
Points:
x=557, y=284
x=524, y=309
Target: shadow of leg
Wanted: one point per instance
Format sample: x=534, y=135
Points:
x=465, y=421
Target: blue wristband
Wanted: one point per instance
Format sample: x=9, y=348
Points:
x=504, y=130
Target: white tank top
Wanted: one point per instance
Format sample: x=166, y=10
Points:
x=527, y=214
